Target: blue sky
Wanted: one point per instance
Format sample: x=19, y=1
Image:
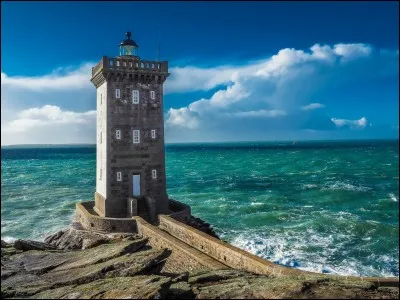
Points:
x=239, y=70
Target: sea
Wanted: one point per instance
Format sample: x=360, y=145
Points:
x=323, y=206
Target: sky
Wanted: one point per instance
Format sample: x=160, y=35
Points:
x=240, y=71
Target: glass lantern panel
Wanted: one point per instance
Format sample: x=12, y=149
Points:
x=128, y=50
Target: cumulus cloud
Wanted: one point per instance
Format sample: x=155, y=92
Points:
x=312, y=106
x=47, y=115
x=260, y=113
x=50, y=124
x=61, y=78
x=361, y=123
x=51, y=108
x=275, y=93
x=256, y=100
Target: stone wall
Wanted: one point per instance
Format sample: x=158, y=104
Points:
x=86, y=216
x=239, y=259
x=227, y=254
x=194, y=250
x=184, y=257
x=179, y=211
x=121, y=154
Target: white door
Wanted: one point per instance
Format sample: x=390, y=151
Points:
x=136, y=185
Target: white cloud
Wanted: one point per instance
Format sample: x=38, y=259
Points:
x=361, y=123
x=47, y=115
x=49, y=124
x=260, y=113
x=274, y=87
x=61, y=78
x=351, y=51
x=261, y=97
x=312, y=106
x=182, y=117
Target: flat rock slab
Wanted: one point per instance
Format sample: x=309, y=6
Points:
x=138, y=287
x=32, y=271
x=26, y=245
x=234, y=284
x=73, y=238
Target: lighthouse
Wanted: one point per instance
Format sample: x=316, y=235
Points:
x=130, y=157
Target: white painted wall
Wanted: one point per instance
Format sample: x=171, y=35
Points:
x=101, y=149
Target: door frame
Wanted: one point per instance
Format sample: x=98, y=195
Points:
x=140, y=184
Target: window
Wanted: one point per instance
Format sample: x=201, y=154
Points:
x=117, y=63
x=118, y=134
x=135, y=96
x=154, y=174
x=136, y=136
x=117, y=93
x=101, y=137
x=153, y=133
x=152, y=95
x=119, y=176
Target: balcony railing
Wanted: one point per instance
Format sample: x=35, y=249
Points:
x=115, y=64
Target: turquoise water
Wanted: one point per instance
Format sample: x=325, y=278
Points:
x=322, y=206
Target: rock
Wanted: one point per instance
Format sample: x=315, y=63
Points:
x=53, y=237
x=126, y=268
x=181, y=277
x=3, y=244
x=94, y=242
x=31, y=272
x=130, y=264
x=101, y=254
x=180, y=290
x=215, y=275
x=26, y=245
x=234, y=284
x=138, y=287
x=73, y=238
x=77, y=238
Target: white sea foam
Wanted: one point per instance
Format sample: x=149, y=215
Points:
x=339, y=185
x=292, y=249
x=256, y=203
x=309, y=186
x=393, y=197
x=8, y=239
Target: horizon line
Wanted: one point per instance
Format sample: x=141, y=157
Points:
x=217, y=142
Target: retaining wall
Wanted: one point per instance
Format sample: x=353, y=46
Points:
x=239, y=259
x=184, y=257
x=89, y=220
x=179, y=211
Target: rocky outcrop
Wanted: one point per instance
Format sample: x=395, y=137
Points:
x=120, y=266
x=201, y=225
x=74, y=238
x=138, y=287
x=234, y=284
x=26, y=245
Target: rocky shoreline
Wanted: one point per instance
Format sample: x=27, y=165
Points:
x=76, y=263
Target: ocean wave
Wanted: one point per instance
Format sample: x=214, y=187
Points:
x=339, y=185
x=393, y=197
x=256, y=203
x=308, y=186
x=8, y=239
x=312, y=251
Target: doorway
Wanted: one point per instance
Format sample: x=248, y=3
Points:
x=136, y=185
